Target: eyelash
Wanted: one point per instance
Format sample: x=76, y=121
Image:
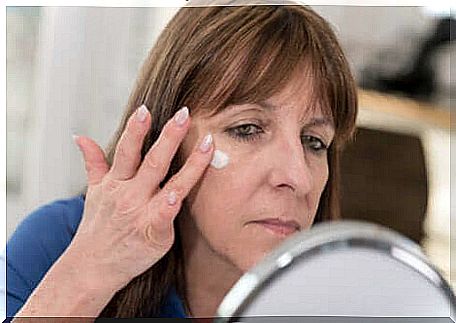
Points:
x=234, y=132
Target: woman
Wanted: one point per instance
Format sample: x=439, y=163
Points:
x=162, y=231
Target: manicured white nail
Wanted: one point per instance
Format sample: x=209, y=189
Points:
x=75, y=139
x=181, y=116
x=172, y=198
x=206, y=143
x=141, y=113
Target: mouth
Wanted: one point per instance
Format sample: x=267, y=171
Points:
x=279, y=227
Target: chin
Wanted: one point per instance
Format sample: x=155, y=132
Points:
x=251, y=260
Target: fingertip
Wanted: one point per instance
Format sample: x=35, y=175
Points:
x=141, y=113
x=90, y=149
x=87, y=142
x=83, y=143
x=206, y=144
x=94, y=159
x=76, y=140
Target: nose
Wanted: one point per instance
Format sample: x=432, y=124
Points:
x=290, y=168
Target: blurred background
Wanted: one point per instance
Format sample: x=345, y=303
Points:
x=70, y=71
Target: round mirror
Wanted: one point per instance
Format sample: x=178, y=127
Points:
x=340, y=269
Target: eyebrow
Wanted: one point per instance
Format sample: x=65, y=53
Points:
x=314, y=122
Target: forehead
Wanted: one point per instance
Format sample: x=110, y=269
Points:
x=298, y=97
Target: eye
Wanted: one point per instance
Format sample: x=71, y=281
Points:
x=314, y=143
x=245, y=132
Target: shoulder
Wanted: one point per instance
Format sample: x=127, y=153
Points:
x=54, y=223
x=66, y=213
x=37, y=243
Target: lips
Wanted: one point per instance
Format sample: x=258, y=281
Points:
x=280, y=227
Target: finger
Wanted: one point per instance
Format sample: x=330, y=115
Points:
x=94, y=159
x=158, y=159
x=128, y=150
x=178, y=187
x=164, y=207
x=159, y=230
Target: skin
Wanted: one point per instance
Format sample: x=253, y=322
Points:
x=124, y=210
x=276, y=175
x=280, y=172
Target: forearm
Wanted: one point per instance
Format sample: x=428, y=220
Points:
x=67, y=291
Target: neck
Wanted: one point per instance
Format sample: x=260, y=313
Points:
x=208, y=276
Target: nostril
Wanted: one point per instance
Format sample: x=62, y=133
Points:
x=284, y=185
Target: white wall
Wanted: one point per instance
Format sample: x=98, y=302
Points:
x=75, y=78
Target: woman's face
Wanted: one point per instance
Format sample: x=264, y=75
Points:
x=277, y=169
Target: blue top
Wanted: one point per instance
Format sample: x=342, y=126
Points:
x=38, y=242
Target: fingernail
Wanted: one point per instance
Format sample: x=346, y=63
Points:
x=141, y=113
x=181, y=116
x=172, y=198
x=206, y=143
x=75, y=139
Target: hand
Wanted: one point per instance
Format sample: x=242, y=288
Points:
x=127, y=224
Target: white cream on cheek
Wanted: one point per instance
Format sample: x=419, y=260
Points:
x=220, y=159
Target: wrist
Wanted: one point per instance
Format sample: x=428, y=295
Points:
x=89, y=274
x=67, y=291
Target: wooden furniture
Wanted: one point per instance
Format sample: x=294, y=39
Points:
x=397, y=172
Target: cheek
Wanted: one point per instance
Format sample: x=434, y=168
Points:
x=220, y=208
x=324, y=176
x=217, y=200
x=320, y=169
x=320, y=179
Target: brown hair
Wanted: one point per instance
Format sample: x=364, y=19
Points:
x=210, y=57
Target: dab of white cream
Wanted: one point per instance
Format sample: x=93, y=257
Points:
x=220, y=159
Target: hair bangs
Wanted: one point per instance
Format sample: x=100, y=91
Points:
x=263, y=53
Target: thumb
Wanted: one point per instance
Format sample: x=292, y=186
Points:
x=94, y=159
